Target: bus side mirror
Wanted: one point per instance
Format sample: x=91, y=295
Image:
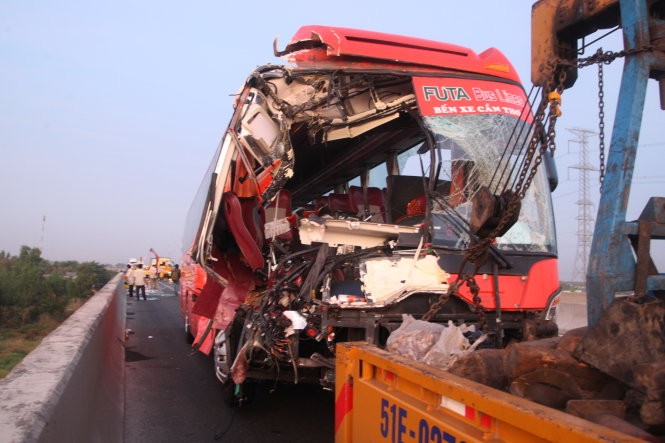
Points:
x=550, y=170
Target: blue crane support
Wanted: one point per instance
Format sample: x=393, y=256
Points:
x=557, y=25
x=612, y=265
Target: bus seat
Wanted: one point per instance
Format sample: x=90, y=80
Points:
x=244, y=221
x=340, y=204
x=320, y=202
x=373, y=209
x=357, y=200
x=254, y=217
x=376, y=205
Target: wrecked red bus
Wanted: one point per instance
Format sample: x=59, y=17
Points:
x=341, y=197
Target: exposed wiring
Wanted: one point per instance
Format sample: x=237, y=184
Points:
x=219, y=434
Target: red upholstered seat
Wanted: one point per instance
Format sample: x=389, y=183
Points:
x=376, y=204
x=244, y=219
x=254, y=217
x=340, y=203
x=374, y=209
x=320, y=202
x=357, y=199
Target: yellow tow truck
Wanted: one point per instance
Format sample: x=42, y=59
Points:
x=163, y=267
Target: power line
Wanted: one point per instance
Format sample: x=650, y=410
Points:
x=585, y=220
x=558, y=196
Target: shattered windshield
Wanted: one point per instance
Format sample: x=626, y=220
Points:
x=480, y=130
x=468, y=155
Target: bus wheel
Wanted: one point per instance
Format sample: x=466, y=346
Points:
x=221, y=358
x=189, y=338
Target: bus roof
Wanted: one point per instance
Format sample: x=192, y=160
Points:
x=317, y=46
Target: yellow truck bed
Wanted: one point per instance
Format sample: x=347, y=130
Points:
x=383, y=397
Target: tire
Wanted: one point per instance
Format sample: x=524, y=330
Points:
x=223, y=354
x=221, y=359
x=189, y=338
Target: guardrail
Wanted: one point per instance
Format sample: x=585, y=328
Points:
x=71, y=387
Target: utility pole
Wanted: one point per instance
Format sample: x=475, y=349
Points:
x=41, y=243
x=585, y=219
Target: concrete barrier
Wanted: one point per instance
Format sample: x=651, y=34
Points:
x=71, y=387
x=571, y=312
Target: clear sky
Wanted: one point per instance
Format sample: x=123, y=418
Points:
x=110, y=111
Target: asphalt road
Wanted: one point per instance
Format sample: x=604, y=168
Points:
x=172, y=395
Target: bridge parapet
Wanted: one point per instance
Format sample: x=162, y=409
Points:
x=71, y=387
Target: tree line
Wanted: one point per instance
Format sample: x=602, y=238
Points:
x=31, y=286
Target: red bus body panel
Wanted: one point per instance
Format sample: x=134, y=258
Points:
x=518, y=293
x=376, y=48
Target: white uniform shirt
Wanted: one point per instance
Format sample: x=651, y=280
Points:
x=139, y=276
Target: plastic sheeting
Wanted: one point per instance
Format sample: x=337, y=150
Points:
x=431, y=343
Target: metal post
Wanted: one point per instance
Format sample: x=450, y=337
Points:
x=611, y=262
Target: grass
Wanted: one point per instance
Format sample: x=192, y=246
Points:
x=16, y=343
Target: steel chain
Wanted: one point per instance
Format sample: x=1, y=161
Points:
x=477, y=303
x=533, y=142
x=551, y=133
x=550, y=143
x=606, y=57
x=477, y=252
x=601, y=121
x=600, y=58
x=435, y=307
x=453, y=290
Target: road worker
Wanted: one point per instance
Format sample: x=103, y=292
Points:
x=139, y=281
